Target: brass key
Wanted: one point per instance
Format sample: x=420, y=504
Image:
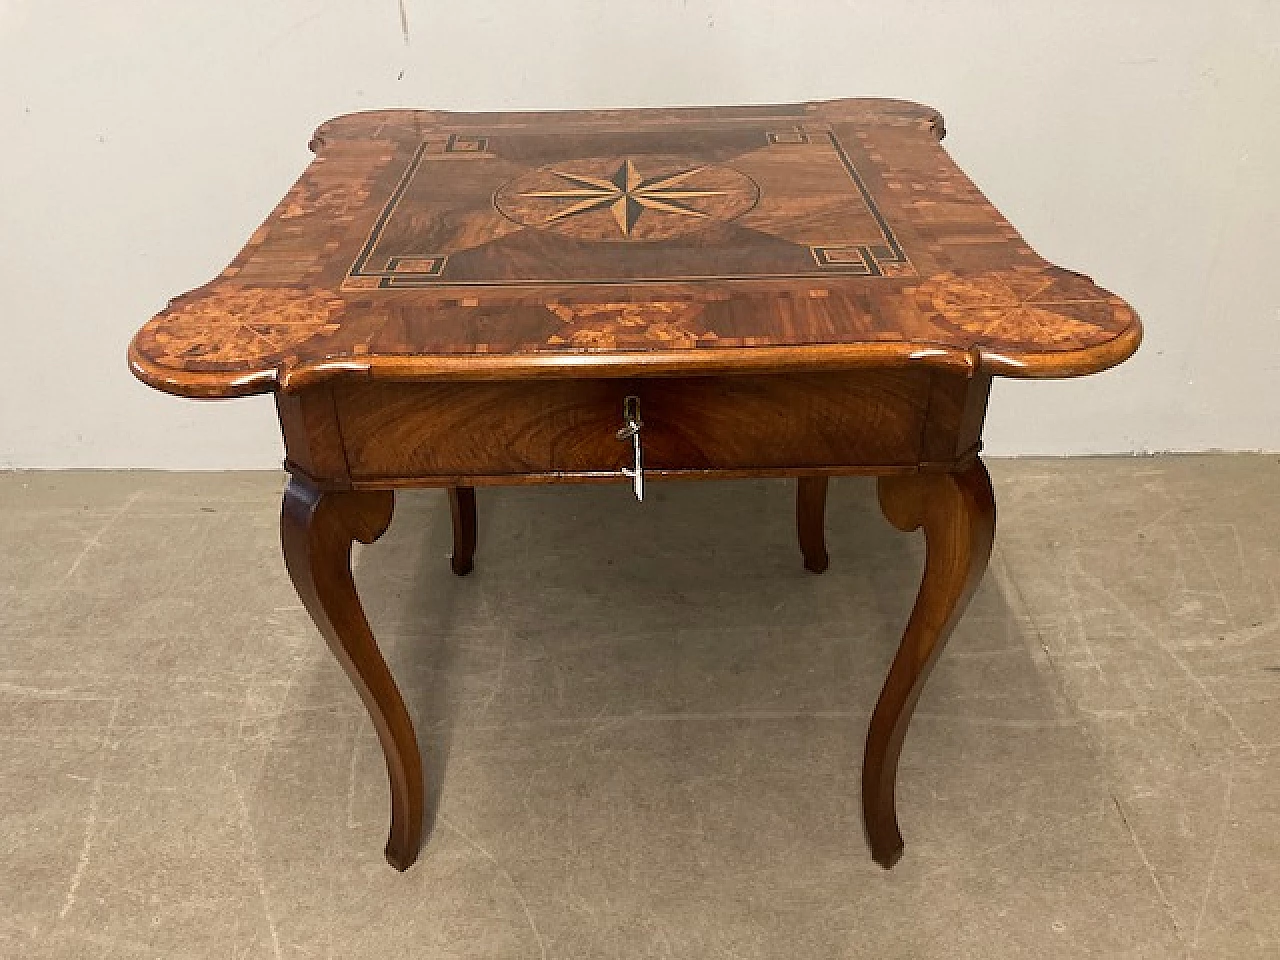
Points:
x=631, y=414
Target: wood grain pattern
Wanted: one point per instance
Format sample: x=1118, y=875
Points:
x=835, y=235
x=958, y=513
x=317, y=530
x=396, y=432
x=460, y=299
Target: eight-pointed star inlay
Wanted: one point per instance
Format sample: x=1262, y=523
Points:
x=626, y=194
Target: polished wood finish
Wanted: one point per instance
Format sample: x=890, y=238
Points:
x=811, y=511
x=402, y=432
x=314, y=448
x=958, y=514
x=317, y=530
x=462, y=511
x=805, y=290
x=823, y=236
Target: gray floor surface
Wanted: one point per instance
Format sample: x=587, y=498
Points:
x=646, y=724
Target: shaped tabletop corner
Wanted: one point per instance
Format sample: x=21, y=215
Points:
x=603, y=243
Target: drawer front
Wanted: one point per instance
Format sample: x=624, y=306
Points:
x=568, y=427
x=781, y=421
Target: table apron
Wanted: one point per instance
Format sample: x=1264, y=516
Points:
x=370, y=434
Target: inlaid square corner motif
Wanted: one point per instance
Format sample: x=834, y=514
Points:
x=533, y=208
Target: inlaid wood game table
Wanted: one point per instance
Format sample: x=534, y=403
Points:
x=813, y=290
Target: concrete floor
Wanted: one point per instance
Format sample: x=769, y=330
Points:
x=647, y=724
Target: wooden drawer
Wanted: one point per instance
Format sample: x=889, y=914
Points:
x=405, y=431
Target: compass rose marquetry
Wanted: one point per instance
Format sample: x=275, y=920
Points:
x=802, y=290
x=653, y=198
x=626, y=194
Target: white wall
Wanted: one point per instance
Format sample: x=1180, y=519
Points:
x=141, y=142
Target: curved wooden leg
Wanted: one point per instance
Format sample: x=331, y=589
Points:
x=462, y=509
x=811, y=507
x=317, y=530
x=958, y=514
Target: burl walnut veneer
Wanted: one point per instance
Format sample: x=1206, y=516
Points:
x=458, y=299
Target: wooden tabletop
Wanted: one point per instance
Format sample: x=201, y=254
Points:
x=427, y=245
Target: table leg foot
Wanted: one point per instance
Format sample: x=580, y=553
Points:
x=317, y=530
x=811, y=507
x=958, y=514
x=462, y=510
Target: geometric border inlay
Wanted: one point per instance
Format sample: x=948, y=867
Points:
x=884, y=259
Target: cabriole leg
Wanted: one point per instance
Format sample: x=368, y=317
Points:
x=462, y=510
x=317, y=529
x=811, y=507
x=958, y=514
